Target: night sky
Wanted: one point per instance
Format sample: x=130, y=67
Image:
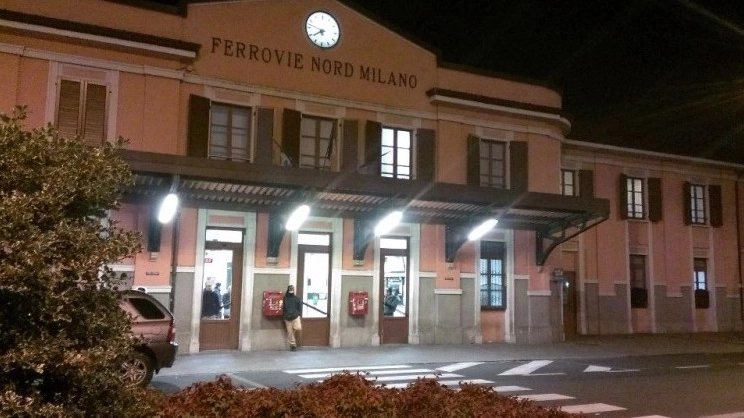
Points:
x=660, y=75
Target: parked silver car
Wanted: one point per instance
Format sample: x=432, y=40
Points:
x=154, y=324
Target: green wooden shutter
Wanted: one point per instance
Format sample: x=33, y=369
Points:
x=586, y=183
x=518, y=177
x=687, y=202
x=291, y=122
x=350, y=158
x=473, y=161
x=264, y=136
x=623, y=197
x=655, y=207
x=372, y=147
x=716, y=207
x=425, y=154
x=198, y=127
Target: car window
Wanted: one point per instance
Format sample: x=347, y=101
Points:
x=146, y=309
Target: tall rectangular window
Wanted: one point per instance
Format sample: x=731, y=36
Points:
x=699, y=274
x=568, y=183
x=229, y=134
x=492, y=275
x=638, y=291
x=698, y=213
x=638, y=271
x=395, y=158
x=635, y=198
x=81, y=110
x=316, y=142
x=492, y=164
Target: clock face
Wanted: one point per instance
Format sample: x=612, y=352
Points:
x=322, y=29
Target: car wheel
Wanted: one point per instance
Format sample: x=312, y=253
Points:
x=137, y=370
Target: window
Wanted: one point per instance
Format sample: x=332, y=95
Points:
x=316, y=142
x=638, y=271
x=638, y=292
x=698, y=213
x=81, y=110
x=700, y=267
x=493, y=164
x=492, y=275
x=568, y=183
x=635, y=199
x=229, y=132
x=700, y=283
x=395, y=158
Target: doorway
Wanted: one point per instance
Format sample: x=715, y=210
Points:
x=221, y=290
x=570, y=322
x=314, y=287
x=394, y=300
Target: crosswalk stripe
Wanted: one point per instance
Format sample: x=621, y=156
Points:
x=412, y=377
x=659, y=416
x=459, y=366
x=367, y=371
x=443, y=382
x=340, y=369
x=509, y=388
x=591, y=408
x=731, y=415
x=540, y=397
x=528, y=368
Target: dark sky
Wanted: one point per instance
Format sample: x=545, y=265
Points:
x=661, y=75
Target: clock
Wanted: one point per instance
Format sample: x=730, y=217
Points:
x=322, y=29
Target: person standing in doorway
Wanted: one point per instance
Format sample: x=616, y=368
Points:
x=292, y=316
x=391, y=302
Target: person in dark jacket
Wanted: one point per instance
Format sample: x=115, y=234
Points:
x=211, y=304
x=292, y=316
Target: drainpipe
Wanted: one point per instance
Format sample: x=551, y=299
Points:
x=738, y=247
x=174, y=260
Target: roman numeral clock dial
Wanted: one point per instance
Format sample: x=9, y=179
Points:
x=322, y=29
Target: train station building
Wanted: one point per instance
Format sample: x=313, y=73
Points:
x=456, y=191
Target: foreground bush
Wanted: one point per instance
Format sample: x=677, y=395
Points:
x=346, y=395
x=62, y=333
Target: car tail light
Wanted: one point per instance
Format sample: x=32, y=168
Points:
x=172, y=331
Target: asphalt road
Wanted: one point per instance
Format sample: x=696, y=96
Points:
x=674, y=386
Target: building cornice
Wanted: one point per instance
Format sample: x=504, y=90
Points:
x=28, y=23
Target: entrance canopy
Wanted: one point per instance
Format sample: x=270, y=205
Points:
x=218, y=184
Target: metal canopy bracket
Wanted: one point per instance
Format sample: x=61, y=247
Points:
x=556, y=233
x=363, y=233
x=454, y=236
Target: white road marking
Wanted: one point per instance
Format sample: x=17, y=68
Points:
x=528, y=368
x=591, y=408
x=366, y=372
x=443, y=382
x=509, y=388
x=540, y=397
x=412, y=377
x=652, y=416
x=235, y=377
x=607, y=369
x=698, y=366
x=459, y=366
x=340, y=369
x=731, y=415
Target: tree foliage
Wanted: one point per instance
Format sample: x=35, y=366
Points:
x=62, y=332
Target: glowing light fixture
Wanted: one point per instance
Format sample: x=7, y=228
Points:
x=168, y=208
x=388, y=222
x=482, y=229
x=297, y=218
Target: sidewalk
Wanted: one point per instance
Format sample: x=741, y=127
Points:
x=583, y=347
